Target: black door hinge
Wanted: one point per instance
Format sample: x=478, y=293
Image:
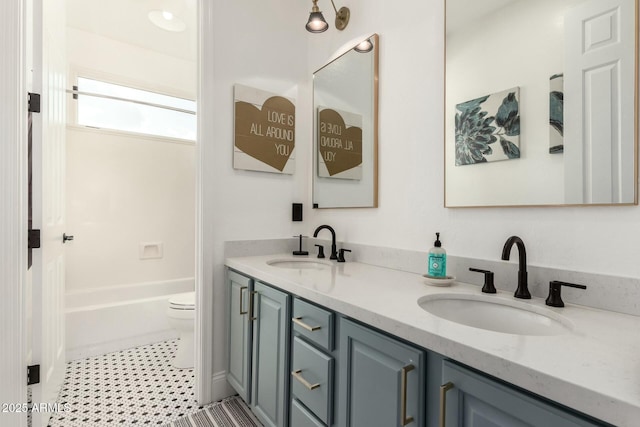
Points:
x=34, y=102
x=33, y=374
x=34, y=239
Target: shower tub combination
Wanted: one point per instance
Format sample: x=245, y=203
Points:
x=103, y=320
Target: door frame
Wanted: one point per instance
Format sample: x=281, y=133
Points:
x=204, y=378
x=13, y=214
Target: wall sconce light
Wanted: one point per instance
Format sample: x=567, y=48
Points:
x=317, y=23
x=364, y=46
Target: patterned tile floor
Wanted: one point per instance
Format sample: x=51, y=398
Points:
x=126, y=388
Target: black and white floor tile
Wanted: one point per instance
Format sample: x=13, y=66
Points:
x=135, y=387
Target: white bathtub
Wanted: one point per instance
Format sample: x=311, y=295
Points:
x=103, y=320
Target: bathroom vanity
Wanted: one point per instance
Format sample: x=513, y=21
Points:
x=318, y=343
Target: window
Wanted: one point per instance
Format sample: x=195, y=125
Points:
x=112, y=106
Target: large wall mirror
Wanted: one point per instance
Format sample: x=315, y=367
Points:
x=541, y=102
x=345, y=109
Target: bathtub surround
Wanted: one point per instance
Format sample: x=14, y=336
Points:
x=607, y=292
x=124, y=191
x=102, y=320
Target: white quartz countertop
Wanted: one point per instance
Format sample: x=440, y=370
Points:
x=594, y=369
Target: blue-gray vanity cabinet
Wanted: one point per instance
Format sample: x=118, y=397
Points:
x=239, y=334
x=313, y=323
x=270, y=368
x=475, y=400
x=302, y=417
x=381, y=380
x=312, y=365
x=312, y=379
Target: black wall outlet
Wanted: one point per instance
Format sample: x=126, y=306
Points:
x=296, y=212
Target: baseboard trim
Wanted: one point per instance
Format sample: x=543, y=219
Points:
x=220, y=387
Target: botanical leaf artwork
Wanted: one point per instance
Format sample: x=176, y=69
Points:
x=483, y=121
x=556, y=114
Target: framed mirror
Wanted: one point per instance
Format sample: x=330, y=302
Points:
x=541, y=103
x=345, y=110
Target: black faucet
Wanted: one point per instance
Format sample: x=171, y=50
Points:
x=523, y=289
x=334, y=252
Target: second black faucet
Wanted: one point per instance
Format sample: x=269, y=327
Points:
x=523, y=289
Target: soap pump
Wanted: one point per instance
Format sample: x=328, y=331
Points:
x=437, y=259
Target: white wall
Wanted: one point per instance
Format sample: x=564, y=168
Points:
x=257, y=44
x=123, y=189
x=589, y=239
x=105, y=57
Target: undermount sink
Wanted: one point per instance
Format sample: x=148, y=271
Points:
x=299, y=264
x=496, y=314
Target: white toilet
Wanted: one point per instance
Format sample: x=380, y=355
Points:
x=181, y=312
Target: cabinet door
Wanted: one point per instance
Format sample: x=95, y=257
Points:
x=239, y=334
x=478, y=401
x=270, y=355
x=381, y=382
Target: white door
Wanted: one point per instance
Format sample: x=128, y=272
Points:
x=49, y=79
x=599, y=102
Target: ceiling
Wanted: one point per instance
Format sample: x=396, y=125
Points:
x=127, y=21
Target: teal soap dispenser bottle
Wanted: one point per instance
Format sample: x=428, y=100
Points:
x=437, y=259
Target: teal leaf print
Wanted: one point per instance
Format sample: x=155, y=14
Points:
x=510, y=149
x=476, y=129
x=556, y=111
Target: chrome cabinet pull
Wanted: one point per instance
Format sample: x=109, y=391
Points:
x=241, y=303
x=297, y=374
x=403, y=396
x=251, y=305
x=298, y=321
x=444, y=388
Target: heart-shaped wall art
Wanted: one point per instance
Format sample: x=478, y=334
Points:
x=267, y=134
x=340, y=146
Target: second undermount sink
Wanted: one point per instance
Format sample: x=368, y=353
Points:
x=496, y=314
x=299, y=264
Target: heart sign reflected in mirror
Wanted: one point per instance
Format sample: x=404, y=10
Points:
x=264, y=131
x=339, y=144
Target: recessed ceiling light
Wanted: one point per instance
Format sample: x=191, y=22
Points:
x=167, y=21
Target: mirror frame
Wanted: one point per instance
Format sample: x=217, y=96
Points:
x=314, y=169
x=636, y=85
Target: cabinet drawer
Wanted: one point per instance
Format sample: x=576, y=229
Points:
x=313, y=323
x=312, y=379
x=301, y=417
